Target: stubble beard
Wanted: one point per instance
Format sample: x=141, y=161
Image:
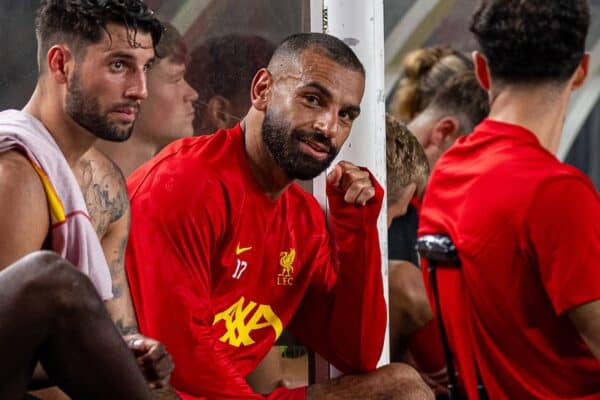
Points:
x=84, y=109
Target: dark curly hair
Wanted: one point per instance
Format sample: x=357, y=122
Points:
x=531, y=40
x=81, y=22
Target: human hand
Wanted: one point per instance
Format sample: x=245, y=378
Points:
x=154, y=361
x=354, y=182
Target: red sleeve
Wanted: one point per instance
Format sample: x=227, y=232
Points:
x=343, y=316
x=563, y=226
x=171, y=249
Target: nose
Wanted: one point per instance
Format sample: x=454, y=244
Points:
x=191, y=94
x=328, y=123
x=137, y=88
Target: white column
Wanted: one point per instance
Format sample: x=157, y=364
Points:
x=359, y=23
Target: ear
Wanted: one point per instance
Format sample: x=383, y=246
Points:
x=400, y=206
x=482, y=71
x=59, y=63
x=261, y=89
x=217, y=110
x=445, y=131
x=581, y=72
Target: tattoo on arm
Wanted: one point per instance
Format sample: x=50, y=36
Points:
x=96, y=184
x=121, y=306
x=105, y=193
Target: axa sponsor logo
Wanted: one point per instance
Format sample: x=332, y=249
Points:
x=242, y=319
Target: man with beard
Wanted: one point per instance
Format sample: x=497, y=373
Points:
x=226, y=250
x=92, y=59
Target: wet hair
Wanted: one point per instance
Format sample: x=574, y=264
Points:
x=424, y=71
x=225, y=66
x=462, y=96
x=81, y=22
x=171, y=45
x=322, y=44
x=531, y=40
x=405, y=160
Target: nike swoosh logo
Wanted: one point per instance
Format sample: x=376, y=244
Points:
x=239, y=250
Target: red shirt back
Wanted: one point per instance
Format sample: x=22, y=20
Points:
x=527, y=229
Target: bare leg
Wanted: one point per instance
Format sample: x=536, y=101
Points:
x=394, y=381
x=409, y=306
x=52, y=313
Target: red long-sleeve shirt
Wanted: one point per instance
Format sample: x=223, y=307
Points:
x=217, y=269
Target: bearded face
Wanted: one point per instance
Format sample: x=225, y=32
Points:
x=83, y=106
x=291, y=148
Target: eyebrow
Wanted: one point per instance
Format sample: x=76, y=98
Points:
x=316, y=85
x=325, y=92
x=352, y=109
x=127, y=56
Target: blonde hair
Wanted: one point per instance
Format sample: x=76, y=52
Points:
x=423, y=72
x=405, y=160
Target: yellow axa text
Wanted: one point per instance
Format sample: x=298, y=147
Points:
x=242, y=319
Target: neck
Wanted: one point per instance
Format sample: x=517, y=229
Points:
x=541, y=109
x=71, y=138
x=270, y=177
x=129, y=155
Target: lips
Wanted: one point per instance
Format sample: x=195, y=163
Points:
x=126, y=113
x=316, y=146
x=314, y=149
x=126, y=110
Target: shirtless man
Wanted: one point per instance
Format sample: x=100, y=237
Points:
x=92, y=63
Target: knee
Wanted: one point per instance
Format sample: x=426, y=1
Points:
x=407, y=293
x=407, y=381
x=59, y=284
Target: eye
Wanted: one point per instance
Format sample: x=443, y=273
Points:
x=117, y=66
x=148, y=66
x=347, y=116
x=312, y=99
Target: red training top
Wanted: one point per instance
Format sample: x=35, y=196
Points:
x=217, y=268
x=527, y=229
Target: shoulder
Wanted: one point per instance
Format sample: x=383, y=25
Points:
x=565, y=182
x=105, y=168
x=24, y=206
x=189, y=165
x=18, y=177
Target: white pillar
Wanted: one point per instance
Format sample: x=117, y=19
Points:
x=359, y=23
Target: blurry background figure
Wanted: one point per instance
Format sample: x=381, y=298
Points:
x=166, y=115
x=458, y=106
x=221, y=71
x=407, y=167
x=448, y=102
x=423, y=72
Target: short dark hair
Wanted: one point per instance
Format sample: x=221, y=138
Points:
x=225, y=66
x=323, y=44
x=463, y=97
x=172, y=45
x=81, y=22
x=531, y=40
